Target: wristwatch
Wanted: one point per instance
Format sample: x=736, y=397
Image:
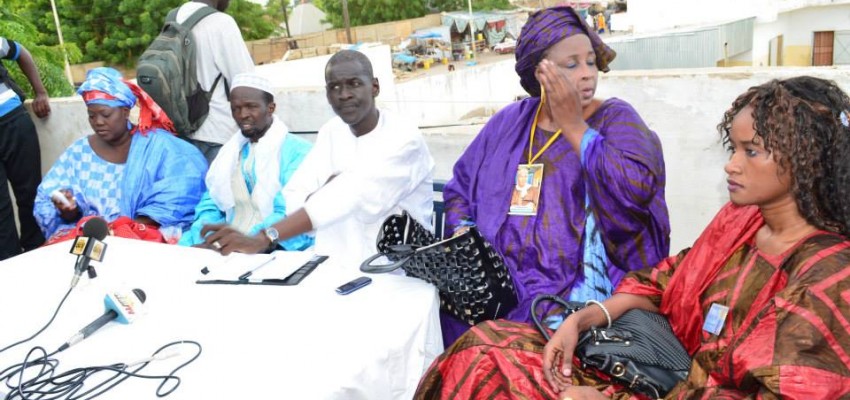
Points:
x=272, y=235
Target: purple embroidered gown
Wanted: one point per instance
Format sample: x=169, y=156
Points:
x=624, y=175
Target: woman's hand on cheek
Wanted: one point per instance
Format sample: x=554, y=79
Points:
x=562, y=98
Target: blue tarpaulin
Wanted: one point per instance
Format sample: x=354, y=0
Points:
x=426, y=35
x=403, y=57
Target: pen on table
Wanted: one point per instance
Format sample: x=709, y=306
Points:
x=252, y=270
x=272, y=281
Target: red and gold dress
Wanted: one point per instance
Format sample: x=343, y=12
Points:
x=787, y=333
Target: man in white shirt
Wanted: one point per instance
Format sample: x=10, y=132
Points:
x=366, y=164
x=220, y=50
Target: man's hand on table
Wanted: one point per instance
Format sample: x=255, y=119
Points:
x=226, y=240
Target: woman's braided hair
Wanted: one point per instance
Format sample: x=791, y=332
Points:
x=804, y=122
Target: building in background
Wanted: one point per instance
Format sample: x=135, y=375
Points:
x=307, y=18
x=692, y=34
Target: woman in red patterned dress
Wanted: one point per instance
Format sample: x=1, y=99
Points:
x=776, y=257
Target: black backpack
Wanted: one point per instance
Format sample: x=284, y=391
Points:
x=167, y=71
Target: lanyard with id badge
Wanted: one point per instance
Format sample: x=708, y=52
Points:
x=525, y=196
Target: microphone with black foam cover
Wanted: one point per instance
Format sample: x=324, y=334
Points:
x=122, y=307
x=89, y=246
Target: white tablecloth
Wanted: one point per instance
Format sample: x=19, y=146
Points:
x=259, y=342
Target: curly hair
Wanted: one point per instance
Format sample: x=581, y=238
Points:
x=803, y=121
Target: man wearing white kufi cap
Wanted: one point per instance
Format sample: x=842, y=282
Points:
x=244, y=182
x=367, y=163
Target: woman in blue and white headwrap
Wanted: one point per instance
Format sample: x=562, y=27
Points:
x=138, y=171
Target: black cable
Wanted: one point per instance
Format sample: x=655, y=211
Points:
x=45, y=326
x=46, y=384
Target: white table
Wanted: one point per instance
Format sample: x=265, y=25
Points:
x=259, y=342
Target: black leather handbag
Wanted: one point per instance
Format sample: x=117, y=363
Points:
x=638, y=351
x=471, y=277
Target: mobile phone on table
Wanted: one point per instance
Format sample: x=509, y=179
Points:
x=354, y=285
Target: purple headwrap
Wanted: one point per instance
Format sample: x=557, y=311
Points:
x=545, y=28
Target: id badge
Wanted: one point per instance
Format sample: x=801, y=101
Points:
x=715, y=319
x=525, y=196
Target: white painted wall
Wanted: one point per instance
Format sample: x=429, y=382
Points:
x=682, y=106
x=301, y=86
x=434, y=100
x=745, y=57
x=798, y=27
x=68, y=121
x=801, y=23
x=763, y=32
x=446, y=98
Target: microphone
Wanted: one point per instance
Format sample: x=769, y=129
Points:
x=89, y=246
x=121, y=307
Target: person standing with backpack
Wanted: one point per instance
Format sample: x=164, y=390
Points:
x=194, y=93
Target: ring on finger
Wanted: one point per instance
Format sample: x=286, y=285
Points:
x=217, y=245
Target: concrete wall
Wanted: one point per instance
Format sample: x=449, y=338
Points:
x=434, y=100
x=465, y=94
x=387, y=32
x=741, y=60
x=682, y=106
x=763, y=32
x=300, y=86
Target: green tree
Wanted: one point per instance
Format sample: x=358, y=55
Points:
x=477, y=5
x=118, y=32
x=274, y=11
x=48, y=59
x=252, y=19
x=365, y=12
x=109, y=31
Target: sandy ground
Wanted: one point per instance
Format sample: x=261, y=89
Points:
x=483, y=58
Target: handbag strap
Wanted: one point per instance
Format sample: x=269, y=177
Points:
x=536, y=318
x=403, y=252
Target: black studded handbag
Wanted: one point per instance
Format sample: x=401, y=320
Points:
x=471, y=277
x=638, y=351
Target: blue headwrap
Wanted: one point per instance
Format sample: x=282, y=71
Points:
x=106, y=86
x=108, y=81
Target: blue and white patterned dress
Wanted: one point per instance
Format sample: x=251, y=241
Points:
x=93, y=180
x=162, y=179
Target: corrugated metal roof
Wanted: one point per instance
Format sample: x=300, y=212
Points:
x=698, y=48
